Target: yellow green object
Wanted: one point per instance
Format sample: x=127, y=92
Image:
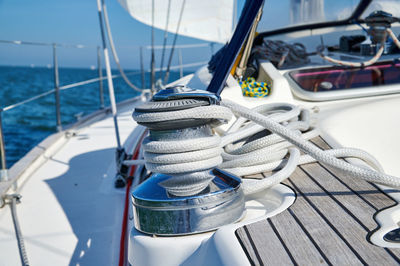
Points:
x=252, y=88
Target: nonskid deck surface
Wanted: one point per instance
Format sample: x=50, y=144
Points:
x=329, y=223
x=70, y=213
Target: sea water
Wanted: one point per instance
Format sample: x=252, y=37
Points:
x=26, y=125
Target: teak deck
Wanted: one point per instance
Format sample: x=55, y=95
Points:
x=329, y=223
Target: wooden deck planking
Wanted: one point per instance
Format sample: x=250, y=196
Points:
x=266, y=250
x=296, y=238
x=346, y=223
x=367, y=191
x=333, y=213
x=328, y=185
x=320, y=231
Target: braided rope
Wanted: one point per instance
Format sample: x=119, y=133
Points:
x=252, y=88
x=266, y=138
x=372, y=61
x=394, y=38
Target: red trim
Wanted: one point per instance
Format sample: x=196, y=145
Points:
x=122, y=249
x=340, y=70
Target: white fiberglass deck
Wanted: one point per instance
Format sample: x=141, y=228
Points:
x=71, y=214
x=73, y=195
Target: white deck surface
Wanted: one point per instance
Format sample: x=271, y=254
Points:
x=70, y=212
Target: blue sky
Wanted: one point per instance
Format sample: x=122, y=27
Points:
x=75, y=22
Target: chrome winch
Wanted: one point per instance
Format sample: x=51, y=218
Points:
x=186, y=193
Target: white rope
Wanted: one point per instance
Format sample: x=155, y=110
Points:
x=213, y=111
x=372, y=61
x=394, y=38
x=184, y=155
x=114, y=51
x=326, y=157
x=264, y=139
x=268, y=138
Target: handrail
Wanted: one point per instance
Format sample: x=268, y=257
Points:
x=12, y=106
x=65, y=87
x=85, y=82
x=79, y=46
x=181, y=46
x=57, y=88
x=48, y=44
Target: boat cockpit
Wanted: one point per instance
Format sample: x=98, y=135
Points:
x=325, y=50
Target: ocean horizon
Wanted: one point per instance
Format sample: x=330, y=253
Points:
x=27, y=125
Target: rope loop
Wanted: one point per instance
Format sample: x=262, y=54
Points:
x=268, y=138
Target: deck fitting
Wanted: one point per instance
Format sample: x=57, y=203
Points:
x=157, y=212
x=177, y=201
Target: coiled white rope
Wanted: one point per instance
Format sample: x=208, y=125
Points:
x=185, y=155
x=292, y=141
x=266, y=138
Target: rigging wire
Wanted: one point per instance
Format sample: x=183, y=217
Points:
x=152, y=78
x=114, y=52
x=165, y=38
x=166, y=76
x=142, y=69
x=13, y=200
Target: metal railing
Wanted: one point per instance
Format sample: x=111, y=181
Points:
x=57, y=88
x=56, y=91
